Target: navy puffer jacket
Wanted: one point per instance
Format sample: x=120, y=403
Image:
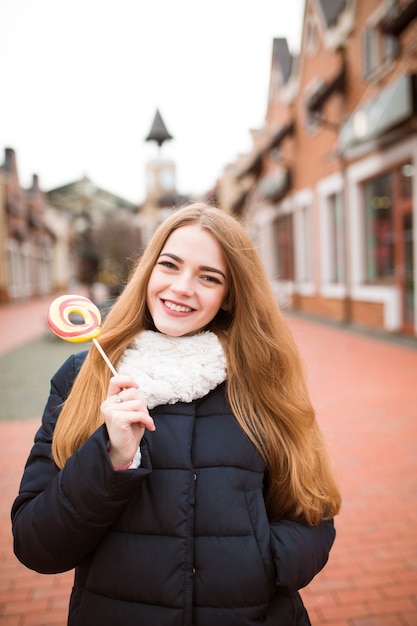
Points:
x=183, y=540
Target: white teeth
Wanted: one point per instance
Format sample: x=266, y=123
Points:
x=177, y=307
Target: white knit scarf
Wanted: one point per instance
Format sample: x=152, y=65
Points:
x=174, y=369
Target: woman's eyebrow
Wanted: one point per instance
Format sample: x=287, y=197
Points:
x=205, y=268
x=172, y=256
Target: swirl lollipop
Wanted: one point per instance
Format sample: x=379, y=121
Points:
x=60, y=323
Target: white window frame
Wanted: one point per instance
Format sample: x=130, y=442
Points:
x=266, y=215
x=333, y=185
x=303, y=246
x=356, y=173
x=383, y=47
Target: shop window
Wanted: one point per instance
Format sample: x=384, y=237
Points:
x=379, y=229
x=284, y=247
x=336, y=239
x=406, y=180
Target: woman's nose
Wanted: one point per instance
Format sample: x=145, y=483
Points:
x=182, y=284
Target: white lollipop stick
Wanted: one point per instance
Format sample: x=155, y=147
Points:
x=104, y=355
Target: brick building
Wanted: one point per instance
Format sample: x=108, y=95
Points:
x=45, y=237
x=328, y=190
x=27, y=242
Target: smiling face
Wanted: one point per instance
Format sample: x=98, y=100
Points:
x=188, y=284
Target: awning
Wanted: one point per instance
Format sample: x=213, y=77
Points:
x=251, y=165
x=275, y=184
x=279, y=136
x=317, y=100
x=393, y=106
x=398, y=17
x=253, y=162
x=239, y=202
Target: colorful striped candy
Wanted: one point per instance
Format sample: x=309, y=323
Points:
x=60, y=323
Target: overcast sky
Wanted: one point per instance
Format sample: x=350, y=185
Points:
x=81, y=82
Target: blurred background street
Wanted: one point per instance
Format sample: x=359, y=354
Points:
x=364, y=389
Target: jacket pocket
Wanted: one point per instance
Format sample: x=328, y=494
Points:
x=260, y=526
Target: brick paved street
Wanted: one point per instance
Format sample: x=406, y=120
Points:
x=365, y=393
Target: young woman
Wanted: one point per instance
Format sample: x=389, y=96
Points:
x=193, y=488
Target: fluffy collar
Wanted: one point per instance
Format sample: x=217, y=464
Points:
x=174, y=369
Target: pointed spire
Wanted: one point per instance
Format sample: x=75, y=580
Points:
x=158, y=132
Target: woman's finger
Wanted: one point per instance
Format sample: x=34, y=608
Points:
x=117, y=383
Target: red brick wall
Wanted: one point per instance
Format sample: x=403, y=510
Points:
x=330, y=308
x=366, y=314
x=369, y=314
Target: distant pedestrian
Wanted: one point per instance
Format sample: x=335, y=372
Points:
x=193, y=488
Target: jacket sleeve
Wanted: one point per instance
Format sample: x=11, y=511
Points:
x=59, y=516
x=300, y=551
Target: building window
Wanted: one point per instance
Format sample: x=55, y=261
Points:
x=379, y=50
x=304, y=246
x=284, y=247
x=379, y=229
x=336, y=239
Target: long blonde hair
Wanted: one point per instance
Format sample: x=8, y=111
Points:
x=266, y=385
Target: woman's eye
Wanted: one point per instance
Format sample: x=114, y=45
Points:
x=168, y=264
x=212, y=279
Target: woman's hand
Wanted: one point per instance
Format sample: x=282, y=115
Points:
x=126, y=416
